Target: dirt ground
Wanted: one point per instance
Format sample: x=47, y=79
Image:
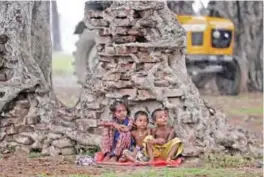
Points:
x=244, y=110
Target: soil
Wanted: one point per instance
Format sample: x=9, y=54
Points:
x=20, y=165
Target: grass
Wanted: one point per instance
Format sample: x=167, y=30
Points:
x=247, y=111
x=226, y=161
x=184, y=172
x=35, y=155
x=62, y=64
x=178, y=172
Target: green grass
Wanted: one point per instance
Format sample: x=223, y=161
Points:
x=62, y=64
x=35, y=155
x=183, y=172
x=248, y=111
x=79, y=176
x=222, y=160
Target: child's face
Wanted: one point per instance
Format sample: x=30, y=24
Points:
x=141, y=122
x=120, y=112
x=161, y=118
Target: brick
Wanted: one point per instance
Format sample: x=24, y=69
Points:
x=122, y=13
x=109, y=66
x=110, y=50
x=124, y=39
x=135, y=32
x=148, y=66
x=173, y=92
x=145, y=95
x=98, y=22
x=23, y=140
x=104, y=32
x=122, y=22
x=133, y=49
x=112, y=77
x=126, y=66
x=106, y=58
x=161, y=83
x=33, y=119
x=147, y=23
x=103, y=40
x=146, y=13
x=121, y=31
x=139, y=81
x=145, y=57
x=122, y=50
x=143, y=49
x=125, y=76
x=63, y=143
x=91, y=115
x=93, y=105
x=85, y=124
x=94, y=14
x=119, y=84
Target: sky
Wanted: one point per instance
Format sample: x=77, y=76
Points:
x=71, y=12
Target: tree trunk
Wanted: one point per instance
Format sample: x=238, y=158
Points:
x=56, y=39
x=181, y=7
x=31, y=116
x=25, y=58
x=141, y=49
x=26, y=63
x=247, y=17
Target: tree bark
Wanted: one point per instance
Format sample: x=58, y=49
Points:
x=31, y=116
x=181, y=7
x=56, y=39
x=26, y=60
x=247, y=17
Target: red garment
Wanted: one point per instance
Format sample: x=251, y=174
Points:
x=123, y=142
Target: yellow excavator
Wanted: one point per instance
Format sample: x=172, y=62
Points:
x=210, y=44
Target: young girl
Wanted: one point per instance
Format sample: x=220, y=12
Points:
x=116, y=133
x=141, y=121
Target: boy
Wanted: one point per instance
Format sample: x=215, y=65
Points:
x=162, y=142
x=138, y=135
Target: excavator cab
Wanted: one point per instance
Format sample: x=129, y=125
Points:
x=210, y=44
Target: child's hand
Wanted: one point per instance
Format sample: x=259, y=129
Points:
x=124, y=128
x=160, y=141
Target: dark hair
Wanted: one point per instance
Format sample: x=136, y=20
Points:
x=153, y=115
x=116, y=103
x=141, y=113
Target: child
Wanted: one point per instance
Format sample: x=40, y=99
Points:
x=141, y=122
x=162, y=142
x=116, y=133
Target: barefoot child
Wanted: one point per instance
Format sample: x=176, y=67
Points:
x=162, y=142
x=116, y=133
x=141, y=121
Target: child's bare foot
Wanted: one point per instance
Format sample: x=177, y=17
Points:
x=169, y=160
x=122, y=159
x=113, y=159
x=106, y=158
x=141, y=163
